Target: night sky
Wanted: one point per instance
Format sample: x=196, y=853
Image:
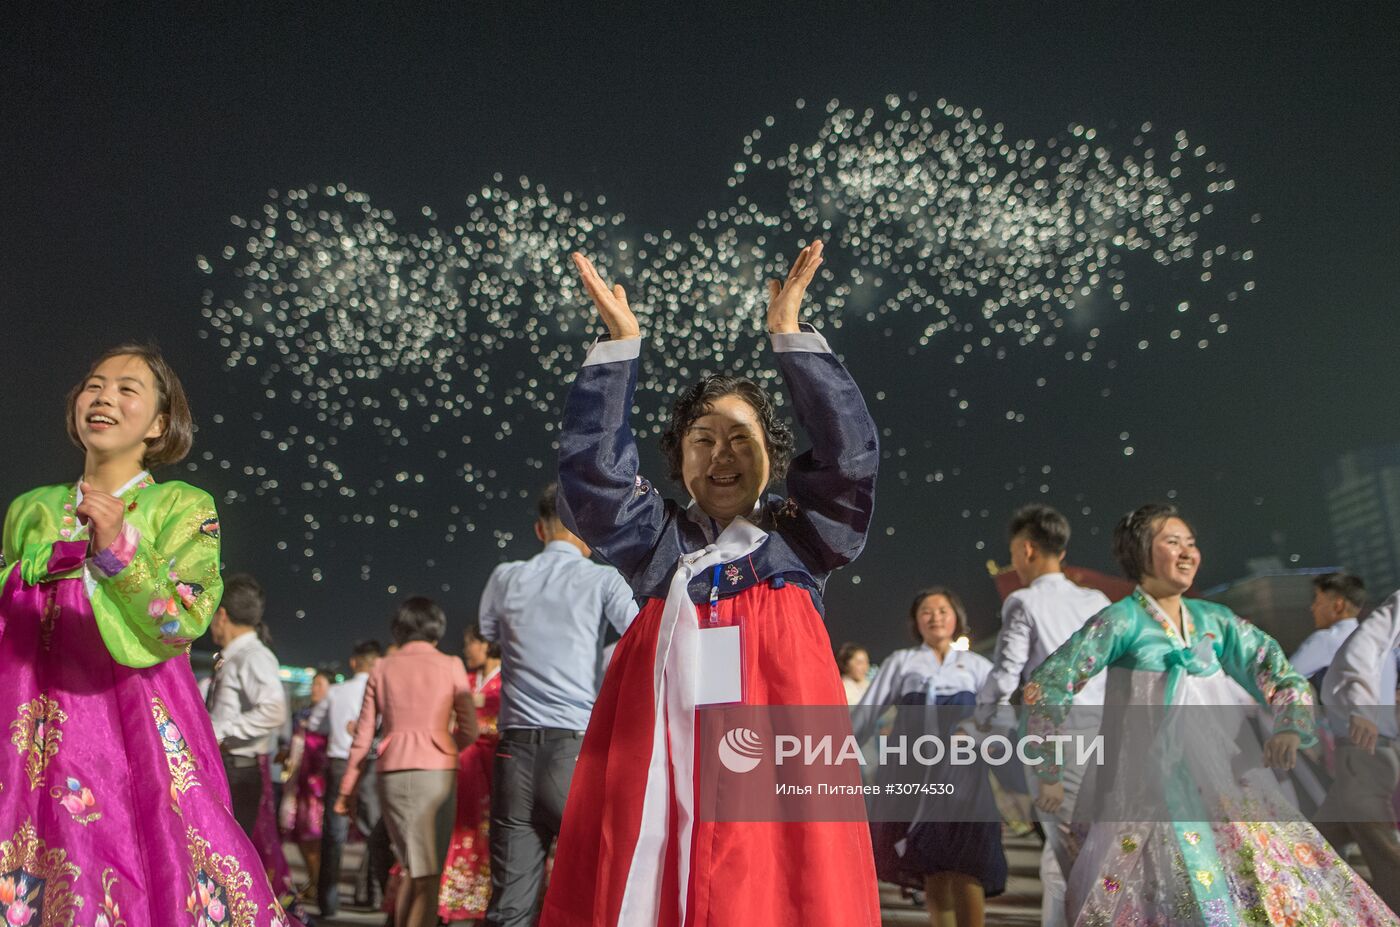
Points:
x=132, y=138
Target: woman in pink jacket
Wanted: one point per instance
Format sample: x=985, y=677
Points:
x=424, y=701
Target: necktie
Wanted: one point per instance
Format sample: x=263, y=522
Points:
x=213, y=681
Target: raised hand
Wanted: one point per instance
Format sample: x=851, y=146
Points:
x=785, y=298
x=611, y=302
x=104, y=514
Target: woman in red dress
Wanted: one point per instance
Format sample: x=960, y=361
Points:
x=466, y=879
x=730, y=588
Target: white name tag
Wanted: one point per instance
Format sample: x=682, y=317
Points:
x=721, y=667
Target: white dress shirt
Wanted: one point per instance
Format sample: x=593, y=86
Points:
x=246, y=702
x=1363, y=673
x=335, y=713
x=1035, y=621
x=1318, y=649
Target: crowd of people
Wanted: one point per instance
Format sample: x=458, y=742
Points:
x=548, y=774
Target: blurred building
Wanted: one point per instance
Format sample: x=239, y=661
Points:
x=1363, y=502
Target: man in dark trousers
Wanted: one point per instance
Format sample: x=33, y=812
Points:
x=549, y=615
x=334, y=716
x=246, y=702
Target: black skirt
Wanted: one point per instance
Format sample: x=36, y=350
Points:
x=969, y=843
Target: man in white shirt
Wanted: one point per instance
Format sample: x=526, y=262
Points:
x=1034, y=622
x=1360, y=687
x=335, y=717
x=247, y=705
x=1336, y=603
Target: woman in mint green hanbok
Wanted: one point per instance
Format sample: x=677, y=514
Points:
x=1199, y=864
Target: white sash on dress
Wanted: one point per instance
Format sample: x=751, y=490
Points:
x=675, y=672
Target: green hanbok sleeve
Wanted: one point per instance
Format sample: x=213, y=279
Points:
x=1049, y=694
x=1257, y=662
x=157, y=587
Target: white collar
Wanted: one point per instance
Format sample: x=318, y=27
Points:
x=953, y=655
x=81, y=531
x=710, y=526
x=1161, y=615
x=143, y=475
x=240, y=643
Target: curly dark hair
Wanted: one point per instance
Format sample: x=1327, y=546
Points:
x=697, y=400
x=1132, y=537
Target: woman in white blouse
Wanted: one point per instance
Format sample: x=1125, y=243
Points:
x=958, y=862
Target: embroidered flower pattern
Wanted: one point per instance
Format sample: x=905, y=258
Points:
x=1309, y=886
x=179, y=759
x=188, y=593
x=35, y=881
x=163, y=607
x=109, y=915
x=36, y=734
x=733, y=574
x=209, y=527
x=19, y=898
x=218, y=888
x=78, y=800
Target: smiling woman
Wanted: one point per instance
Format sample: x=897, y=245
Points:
x=731, y=591
x=1160, y=648
x=115, y=796
x=725, y=444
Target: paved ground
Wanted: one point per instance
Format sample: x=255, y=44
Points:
x=1019, y=907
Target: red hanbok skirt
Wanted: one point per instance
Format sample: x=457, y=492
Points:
x=808, y=874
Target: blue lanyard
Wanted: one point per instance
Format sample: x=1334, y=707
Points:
x=714, y=595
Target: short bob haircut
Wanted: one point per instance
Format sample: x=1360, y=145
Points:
x=1132, y=537
x=958, y=609
x=418, y=619
x=177, y=438
x=699, y=398
x=473, y=633
x=1044, y=527
x=846, y=654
